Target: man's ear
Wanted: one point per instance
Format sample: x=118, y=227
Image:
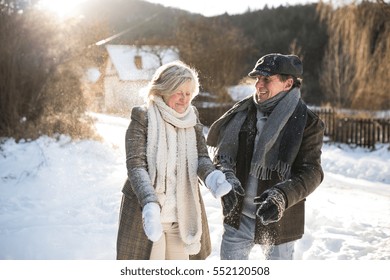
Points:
x=289, y=84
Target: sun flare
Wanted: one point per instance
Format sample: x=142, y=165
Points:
x=61, y=8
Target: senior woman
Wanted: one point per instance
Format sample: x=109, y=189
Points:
x=162, y=213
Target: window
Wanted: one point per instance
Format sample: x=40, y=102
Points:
x=138, y=61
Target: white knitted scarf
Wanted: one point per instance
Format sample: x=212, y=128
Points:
x=173, y=159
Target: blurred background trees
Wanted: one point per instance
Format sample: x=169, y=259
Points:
x=217, y=49
x=42, y=61
x=344, y=48
x=356, y=68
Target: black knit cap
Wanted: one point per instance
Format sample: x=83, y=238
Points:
x=276, y=63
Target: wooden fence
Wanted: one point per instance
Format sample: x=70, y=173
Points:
x=363, y=132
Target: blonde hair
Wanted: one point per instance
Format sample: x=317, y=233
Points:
x=170, y=76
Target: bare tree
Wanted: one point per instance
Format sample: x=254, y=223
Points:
x=216, y=49
x=355, y=68
x=40, y=91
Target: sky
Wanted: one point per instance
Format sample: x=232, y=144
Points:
x=218, y=7
x=60, y=199
x=64, y=8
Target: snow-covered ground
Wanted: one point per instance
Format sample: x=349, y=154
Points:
x=59, y=200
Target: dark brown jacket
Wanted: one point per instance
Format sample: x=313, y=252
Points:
x=132, y=243
x=306, y=176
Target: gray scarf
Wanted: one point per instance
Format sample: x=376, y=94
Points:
x=279, y=141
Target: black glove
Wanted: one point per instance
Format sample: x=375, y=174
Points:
x=272, y=205
x=230, y=200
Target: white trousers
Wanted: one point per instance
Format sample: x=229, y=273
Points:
x=169, y=246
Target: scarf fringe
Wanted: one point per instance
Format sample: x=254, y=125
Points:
x=262, y=172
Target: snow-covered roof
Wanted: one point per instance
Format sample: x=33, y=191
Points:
x=123, y=59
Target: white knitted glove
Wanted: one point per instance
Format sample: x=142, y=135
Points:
x=151, y=221
x=217, y=184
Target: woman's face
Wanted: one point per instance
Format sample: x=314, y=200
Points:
x=180, y=99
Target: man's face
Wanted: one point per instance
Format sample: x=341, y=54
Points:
x=267, y=87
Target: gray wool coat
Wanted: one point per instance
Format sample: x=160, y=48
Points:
x=132, y=243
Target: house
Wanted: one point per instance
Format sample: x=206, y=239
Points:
x=128, y=70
